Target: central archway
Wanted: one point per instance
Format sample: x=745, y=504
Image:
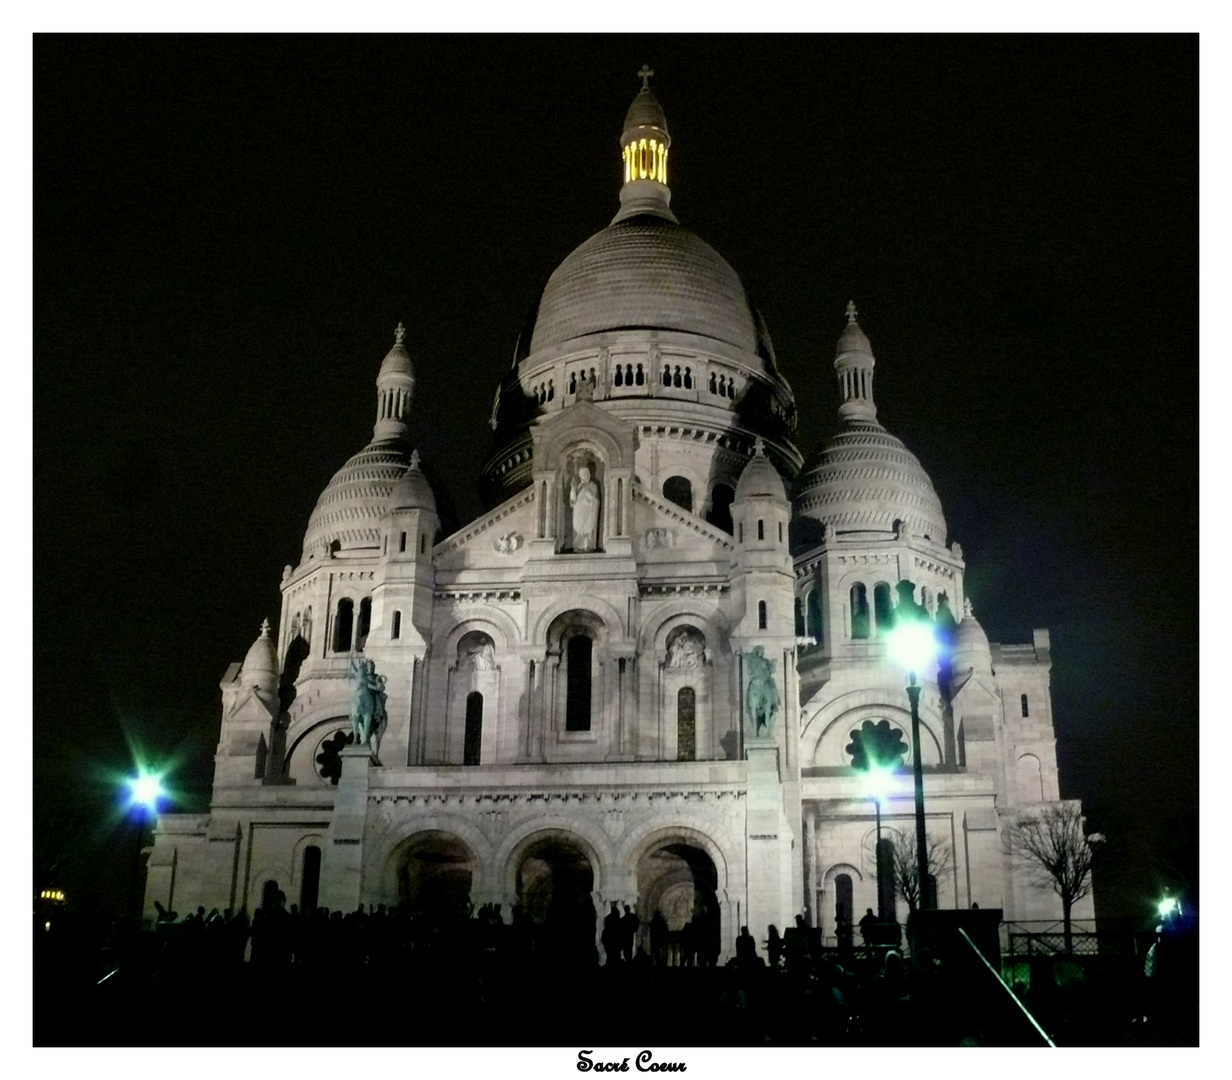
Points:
x=434, y=874
x=554, y=884
x=678, y=905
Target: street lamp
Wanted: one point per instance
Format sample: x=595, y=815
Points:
x=913, y=645
x=144, y=792
x=876, y=785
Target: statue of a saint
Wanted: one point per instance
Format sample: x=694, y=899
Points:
x=763, y=695
x=368, y=716
x=686, y=650
x=584, y=498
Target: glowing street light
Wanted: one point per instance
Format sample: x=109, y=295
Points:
x=145, y=790
x=913, y=645
x=1169, y=905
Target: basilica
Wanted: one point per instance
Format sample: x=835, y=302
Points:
x=655, y=671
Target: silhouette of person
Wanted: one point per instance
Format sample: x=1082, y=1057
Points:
x=611, y=936
x=628, y=933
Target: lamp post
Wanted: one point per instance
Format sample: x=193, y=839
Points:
x=144, y=792
x=877, y=786
x=913, y=645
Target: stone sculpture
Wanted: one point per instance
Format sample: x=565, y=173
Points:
x=368, y=716
x=584, y=498
x=763, y=695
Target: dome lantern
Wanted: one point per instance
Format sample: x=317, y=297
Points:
x=394, y=386
x=853, y=363
x=644, y=144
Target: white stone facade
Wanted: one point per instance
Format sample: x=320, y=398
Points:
x=568, y=675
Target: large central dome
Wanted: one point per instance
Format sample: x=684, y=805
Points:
x=644, y=272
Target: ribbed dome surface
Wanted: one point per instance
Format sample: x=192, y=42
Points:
x=350, y=508
x=645, y=112
x=644, y=272
x=260, y=667
x=412, y=492
x=866, y=479
x=971, y=649
x=760, y=477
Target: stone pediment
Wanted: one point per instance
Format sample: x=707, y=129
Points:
x=665, y=532
x=583, y=422
x=973, y=692
x=498, y=539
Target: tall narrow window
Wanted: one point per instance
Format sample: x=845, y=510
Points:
x=812, y=615
x=473, y=735
x=577, y=683
x=1025, y=710
x=396, y=632
x=761, y=529
x=883, y=609
x=364, y=622
x=859, y=611
x=344, y=623
x=686, y=724
x=310, y=879
x=402, y=543
x=800, y=630
x=761, y=614
x=423, y=543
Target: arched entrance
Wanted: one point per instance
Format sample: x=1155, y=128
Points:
x=555, y=879
x=677, y=901
x=434, y=875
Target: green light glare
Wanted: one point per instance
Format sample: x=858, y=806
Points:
x=1168, y=905
x=912, y=645
x=877, y=781
x=145, y=789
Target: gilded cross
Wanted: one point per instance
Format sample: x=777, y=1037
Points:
x=644, y=75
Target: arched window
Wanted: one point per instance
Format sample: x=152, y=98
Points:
x=364, y=623
x=577, y=683
x=859, y=611
x=761, y=614
x=720, y=507
x=883, y=610
x=842, y=908
x=686, y=724
x=1025, y=710
x=473, y=736
x=812, y=615
x=678, y=490
x=344, y=623
x=310, y=879
x=396, y=632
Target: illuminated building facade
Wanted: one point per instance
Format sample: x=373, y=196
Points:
x=640, y=675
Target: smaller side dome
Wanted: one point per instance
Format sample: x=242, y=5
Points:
x=760, y=477
x=412, y=491
x=971, y=650
x=260, y=668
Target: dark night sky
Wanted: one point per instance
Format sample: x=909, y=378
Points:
x=228, y=229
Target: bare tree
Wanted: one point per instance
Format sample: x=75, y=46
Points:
x=1052, y=846
x=906, y=870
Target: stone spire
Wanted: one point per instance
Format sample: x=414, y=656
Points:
x=644, y=145
x=853, y=363
x=394, y=387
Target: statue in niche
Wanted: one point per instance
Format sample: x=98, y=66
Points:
x=368, y=716
x=475, y=651
x=686, y=649
x=584, y=500
x=763, y=695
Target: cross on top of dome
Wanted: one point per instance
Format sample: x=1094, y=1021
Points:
x=399, y=334
x=851, y=312
x=645, y=75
